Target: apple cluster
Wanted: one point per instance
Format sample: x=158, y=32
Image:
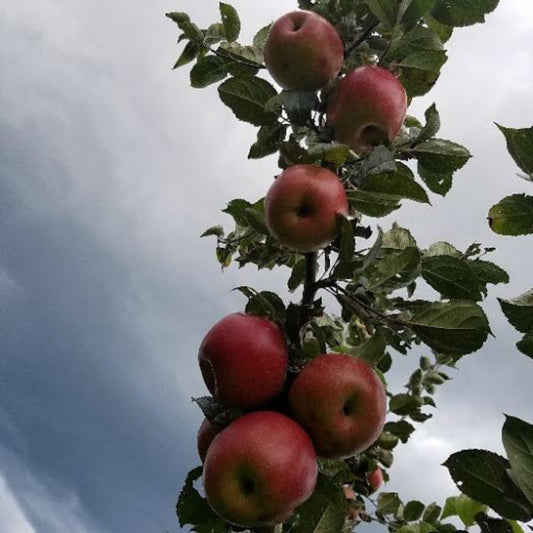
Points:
x=261, y=466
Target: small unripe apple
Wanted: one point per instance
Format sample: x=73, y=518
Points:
x=366, y=108
x=259, y=469
x=206, y=433
x=375, y=479
x=341, y=402
x=303, y=51
x=243, y=360
x=302, y=207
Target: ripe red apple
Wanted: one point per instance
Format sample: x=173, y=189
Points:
x=206, y=433
x=243, y=360
x=303, y=51
x=302, y=205
x=341, y=402
x=259, y=469
x=375, y=479
x=366, y=108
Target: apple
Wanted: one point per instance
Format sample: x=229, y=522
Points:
x=303, y=51
x=375, y=479
x=259, y=469
x=243, y=359
x=366, y=108
x=206, y=433
x=341, y=402
x=302, y=207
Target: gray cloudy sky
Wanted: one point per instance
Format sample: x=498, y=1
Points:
x=110, y=168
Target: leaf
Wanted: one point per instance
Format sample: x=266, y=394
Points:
x=520, y=146
x=388, y=503
x=231, y=22
x=190, y=52
x=218, y=231
x=442, y=248
x=216, y=412
x=208, y=70
x=299, y=104
x=247, y=97
x=249, y=55
x=462, y=12
x=455, y=328
x=372, y=204
x=334, y=153
x=487, y=524
x=297, y=275
x=413, y=510
x=268, y=141
x=440, y=156
x=404, y=404
x=512, y=216
x=517, y=437
x=432, y=125
x=191, y=31
x=488, y=272
x=415, y=11
x=519, y=311
x=464, y=507
x=432, y=513
x=371, y=351
x=386, y=11
x=483, y=476
x=398, y=238
x=323, y=512
x=437, y=182
x=420, y=71
x=260, y=38
x=451, y=277
x=401, y=429
x=526, y=344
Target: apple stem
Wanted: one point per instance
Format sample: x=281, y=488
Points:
x=310, y=285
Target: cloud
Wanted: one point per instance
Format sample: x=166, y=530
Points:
x=13, y=518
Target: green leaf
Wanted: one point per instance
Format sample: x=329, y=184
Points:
x=190, y=52
x=432, y=124
x=231, y=22
x=398, y=238
x=249, y=55
x=336, y=154
x=215, y=33
x=404, y=404
x=444, y=31
x=371, y=351
x=512, y=216
x=386, y=11
x=218, y=231
x=299, y=104
x=372, y=204
x=432, y=513
x=208, y=70
x=464, y=507
x=517, y=437
x=451, y=277
x=520, y=146
x=413, y=510
x=440, y=156
x=420, y=71
x=488, y=272
x=421, y=527
x=415, y=11
x=455, y=328
x=437, y=182
x=268, y=141
x=347, y=240
x=323, y=512
x=519, y=311
x=462, y=12
x=483, y=476
x=401, y=429
x=442, y=248
x=388, y=503
x=487, y=524
x=297, y=275
x=192, y=509
x=247, y=97
x=260, y=38
x=190, y=30
x=526, y=344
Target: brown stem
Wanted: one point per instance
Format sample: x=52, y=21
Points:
x=310, y=285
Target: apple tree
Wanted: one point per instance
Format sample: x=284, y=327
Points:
x=327, y=88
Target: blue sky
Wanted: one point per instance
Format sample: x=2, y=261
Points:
x=110, y=168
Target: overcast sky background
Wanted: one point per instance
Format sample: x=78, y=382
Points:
x=110, y=168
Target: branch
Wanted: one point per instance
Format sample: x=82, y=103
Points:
x=310, y=285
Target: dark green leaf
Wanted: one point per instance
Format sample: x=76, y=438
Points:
x=401, y=429
x=261, y=37
x=517, y=437
x=526, y=345
x=462, y=12
x=215, y=33
x=214, y=411
x=388, y=503
x=441, y=156
x=432, y=125
x=269, y=138
x=381, y=160
x=415, y=11
x=371, y=351
x=488, y=272
x=404, y=404
x=519, y=311
x=437, y=182
x=184, y=23
x=431, y=513
x=208, y=70
x=451, y=277
x=483, y=476
x=456, y=327
x=299, y=105
x=248, y=55
x=512, y=216
x=386, y=11
x=190, y=52
x=333, y=153
x=444, y=31
x=520, y=146
x=373, y=204
x=413, y=510
x=231, y=22
x=420, y=71
x=487, y=524
x=323, y=512
x=297, y=275
x=218, y=231
x=347, y=240
x=247, y=97
x=398, y=238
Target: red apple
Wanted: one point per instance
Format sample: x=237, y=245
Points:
x=375, y=479
x=302, y=205
x=341, y=402
x=206, y=433
x=303, y=51
x=243, y=359
x=366, y=108
x=259, y=469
